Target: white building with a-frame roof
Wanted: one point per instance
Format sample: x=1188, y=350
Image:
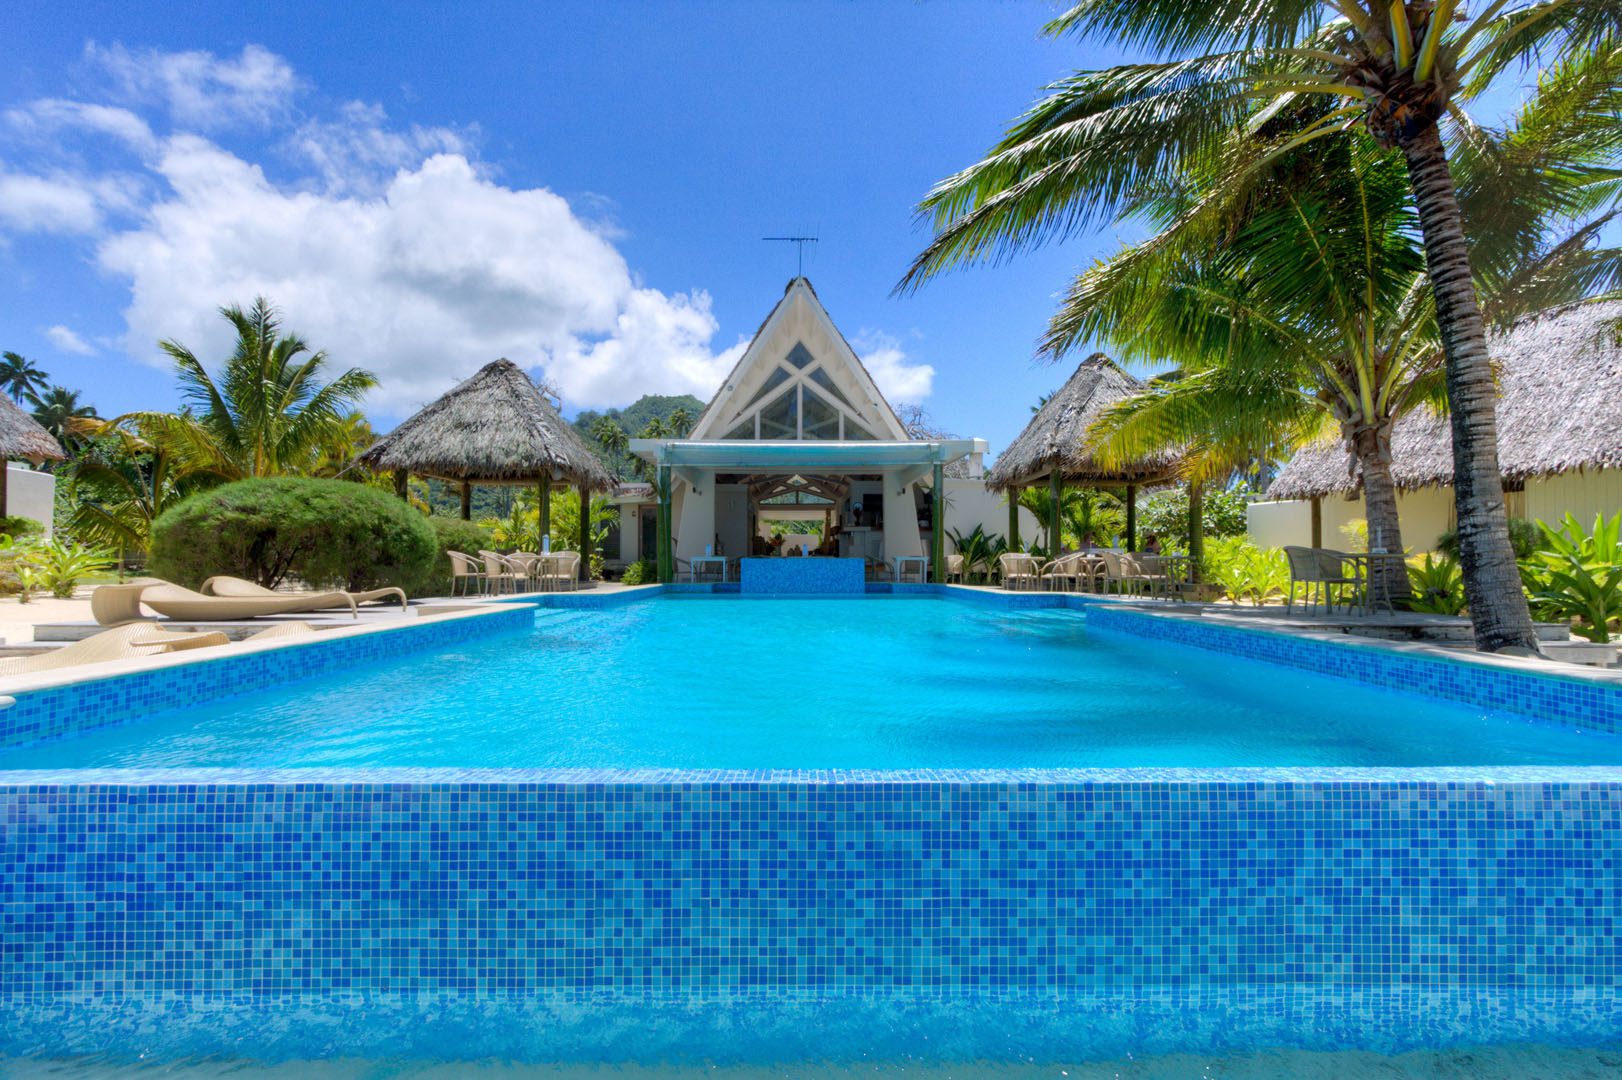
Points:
x=800, y=432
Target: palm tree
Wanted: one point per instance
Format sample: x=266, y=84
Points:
x=613, y=439
x=121, y=492
x=269, y=413
x=679, y=423
x=1312, y=304
x=57, y=409
x=1082, y=154
x=20, y=376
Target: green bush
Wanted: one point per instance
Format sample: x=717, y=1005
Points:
x=21, y=528
x=1244, y=571
x=323, y=533
x=1438, y=586
x=59, y=566
x=1165, y=514
x=1578, y=575
x=1524, y=536
x=641, y=572
x=450, y=534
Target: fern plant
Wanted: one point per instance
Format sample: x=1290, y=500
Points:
x=59, y=567
x=1578, y=575
x=1244, y=571
x=1438, y=586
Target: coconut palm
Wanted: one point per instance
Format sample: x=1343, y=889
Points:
x=679, y=423
x=57, y=410
x=1083, y=153
x=21, y=376
x=121, y=491
x=269, y=412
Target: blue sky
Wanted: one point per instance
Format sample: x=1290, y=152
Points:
x=577, y=187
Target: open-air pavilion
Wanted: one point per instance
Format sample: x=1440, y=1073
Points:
x=495, y=428
x=1057, y=448
x=22, y=438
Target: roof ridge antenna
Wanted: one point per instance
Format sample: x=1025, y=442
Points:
x=799, y=243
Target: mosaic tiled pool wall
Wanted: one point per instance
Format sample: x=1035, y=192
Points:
x=1596, y=706
x=39, y=714
x=476, y=892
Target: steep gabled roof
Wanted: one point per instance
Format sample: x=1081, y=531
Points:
x=798, y=320
x=1559, y=410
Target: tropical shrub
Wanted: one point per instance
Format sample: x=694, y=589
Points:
x=59, y=566
x=323, y=533
x=450, y=534
x=1524, y=536
x=1165, y=514
x=20, y=528
x=16, y=575
x=1244, y=571
x=1438, y=585
x=1578, y=575
x=979, y=550
x=641, y=572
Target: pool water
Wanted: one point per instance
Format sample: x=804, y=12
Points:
x=868, y=683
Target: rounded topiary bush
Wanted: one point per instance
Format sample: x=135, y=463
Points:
x=323, y=533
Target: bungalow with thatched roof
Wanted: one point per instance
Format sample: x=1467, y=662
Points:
x=1056, y=448
x=22, y=438
x=1559, y=440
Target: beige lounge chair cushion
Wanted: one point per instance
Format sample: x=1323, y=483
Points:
x=184, y=605
x=120, y=643
x=225, y=585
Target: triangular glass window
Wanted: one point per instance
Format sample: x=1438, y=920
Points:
x=822, y=379
x=781, y=419
x=855, y=432
x=818, y=420
x=800, y=356
x=745, y=430
x=777, y=378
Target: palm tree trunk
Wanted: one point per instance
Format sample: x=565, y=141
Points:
x=1372, y=448
x=1492, y=583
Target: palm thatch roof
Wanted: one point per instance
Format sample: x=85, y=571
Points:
x=22, y=437
x=1559, y=410
x=493, y=428
x=1059, y=435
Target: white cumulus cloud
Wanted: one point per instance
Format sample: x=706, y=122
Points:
x=897, y=377
x=198, y=89
x=47, y=204
x=68, y=341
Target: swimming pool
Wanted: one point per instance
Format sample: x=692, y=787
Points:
x=881, y=683
x=237, y=877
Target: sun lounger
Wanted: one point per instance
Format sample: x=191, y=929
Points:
x=185, y=605
x=121, y=643
x=234, y=586
x=282, y=630
x=114, y=605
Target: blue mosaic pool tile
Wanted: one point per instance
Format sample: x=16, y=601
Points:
x=60, y=710
x=802, y=577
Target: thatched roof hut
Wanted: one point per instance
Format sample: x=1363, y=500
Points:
x=1559, y=410
x=1058, y=438
x=493, y=428
x=21, y=437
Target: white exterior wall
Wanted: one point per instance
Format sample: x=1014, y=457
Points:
x=1585, y=494
x=969, y=503
x=901, y=536
x=30, y=494
x=695, y=519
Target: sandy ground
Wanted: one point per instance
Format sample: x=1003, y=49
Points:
x=17, y=620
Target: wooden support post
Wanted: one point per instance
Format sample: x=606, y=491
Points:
x=665, y=564
x=1196, y=528
x=402, y=480
x=937, y=527
x=467, y=501
x=544, y=506
x=1053, y=515
x=1317, y=522
x=1131, y=517
x=1013, y=519
x=585, y=533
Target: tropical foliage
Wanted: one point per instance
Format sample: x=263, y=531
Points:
x=1438, y=585
x=128, y=478
x=979, y=550
x=1578, y=575
x=520, y=529
x=321, y=533
x=21, y=377
x=1165, y=514
x=1244, y=571
x=60, y=565
x=1233, y=100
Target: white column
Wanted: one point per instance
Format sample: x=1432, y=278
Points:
x=695, y=523
x=900, y=520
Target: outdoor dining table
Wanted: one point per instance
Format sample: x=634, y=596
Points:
x=1364, y=564
x=719, y=561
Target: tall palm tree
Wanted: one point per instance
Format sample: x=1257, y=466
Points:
x=269, y=412
x=21, y=376
x=57, y=409
x=679, y=422
x=614, y=441
x=1397, y=69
